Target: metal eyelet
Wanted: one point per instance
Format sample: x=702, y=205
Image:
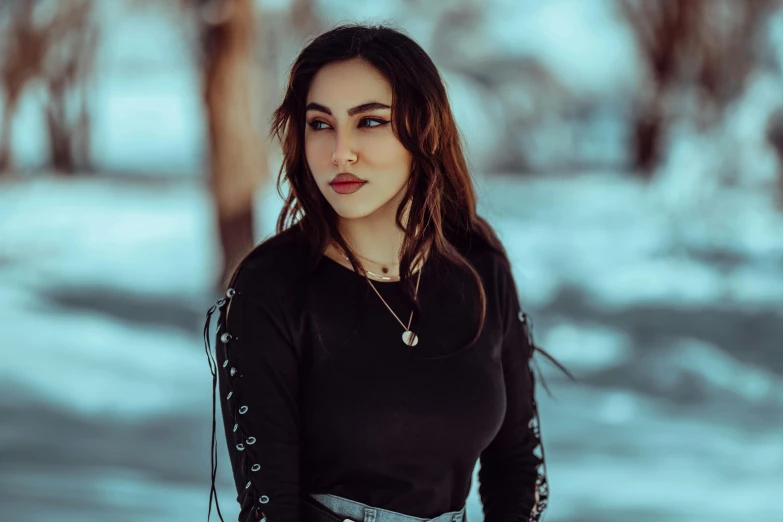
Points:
x=255, y=467
x=221, y=302
x=229, y=395
x=247, y=485
x=264, y=499
x=243, y=410
x=521, y=316
x=225, y=363
x=236, y=426
x=230, y=293
x=226, y=337
x=250, y=441
x=241, y=447
x=233, y=372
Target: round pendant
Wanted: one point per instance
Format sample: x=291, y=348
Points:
x=406, y=338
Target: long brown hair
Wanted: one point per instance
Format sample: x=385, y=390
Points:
x=442, y=215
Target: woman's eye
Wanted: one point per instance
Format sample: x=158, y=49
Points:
x=315, y=125
x=318, y=125
x=365, y=122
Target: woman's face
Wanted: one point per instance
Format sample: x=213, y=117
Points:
x=349, y=131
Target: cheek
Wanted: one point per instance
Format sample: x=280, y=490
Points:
x=389, y=154
x=317, y=152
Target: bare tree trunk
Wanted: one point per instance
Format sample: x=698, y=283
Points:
x=24, y=47
x=80, y=144
x=60, y=135
x=238, y=155
x=5, y=135
x=665, y=33
x=774, y=134
x=708, y=45
x=76, y=34
x=58, y=53
x=648, y=131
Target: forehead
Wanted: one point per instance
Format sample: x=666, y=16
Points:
x=342, y=85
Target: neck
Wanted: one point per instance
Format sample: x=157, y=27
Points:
x=375, y=237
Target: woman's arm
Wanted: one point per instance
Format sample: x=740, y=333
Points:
x=512, y=478
x=258, y=374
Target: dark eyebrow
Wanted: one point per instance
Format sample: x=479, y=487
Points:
x=353, y=111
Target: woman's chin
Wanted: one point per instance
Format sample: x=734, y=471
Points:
x=347, y=211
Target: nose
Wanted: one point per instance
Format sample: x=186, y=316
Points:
x=344, y=150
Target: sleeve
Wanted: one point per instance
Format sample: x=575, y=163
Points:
x=257, y=369
x=512, y=477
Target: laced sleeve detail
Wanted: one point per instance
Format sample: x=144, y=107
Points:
x=512, y=477
x=255, y=374
x=541, y=491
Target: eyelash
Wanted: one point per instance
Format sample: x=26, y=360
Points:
x=381, y=123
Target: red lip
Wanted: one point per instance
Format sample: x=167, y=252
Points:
x=347, y=188
x=346, y=177
x=346, y=183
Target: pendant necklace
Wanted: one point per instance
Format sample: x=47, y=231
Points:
x=408, y=337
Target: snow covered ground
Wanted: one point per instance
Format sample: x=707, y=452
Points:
x=666, y=302
x=673, y=325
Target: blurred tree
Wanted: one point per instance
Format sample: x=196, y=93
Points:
x=729, y=48
x=68, y=64
x=707, y=46
x=304, y=19
x=50, y=42
x=239, y=60
x=666, y=34
x=775, y=138
x=23, y=52
x=238, y=155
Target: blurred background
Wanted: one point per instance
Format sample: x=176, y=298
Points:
x=629, y=153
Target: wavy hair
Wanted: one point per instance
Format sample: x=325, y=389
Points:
x=440, y=193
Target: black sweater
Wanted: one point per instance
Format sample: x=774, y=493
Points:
x=319, y=394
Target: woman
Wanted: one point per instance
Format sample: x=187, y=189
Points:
x=374, y=349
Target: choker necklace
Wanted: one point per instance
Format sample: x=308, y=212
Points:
x=383, y=266
x=376, y=276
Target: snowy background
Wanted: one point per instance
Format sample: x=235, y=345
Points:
x=664, y=298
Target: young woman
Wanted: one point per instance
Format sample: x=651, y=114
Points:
x=374, y=349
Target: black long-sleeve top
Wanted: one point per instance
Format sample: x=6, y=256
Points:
x=319, y=393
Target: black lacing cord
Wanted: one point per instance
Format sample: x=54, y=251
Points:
x=528, y=326
x=213, y=457
x=542, y=483
x=213, y=365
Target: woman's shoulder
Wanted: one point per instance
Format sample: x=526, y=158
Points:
x=276, y=264
x=487, y=255
x=278, y=250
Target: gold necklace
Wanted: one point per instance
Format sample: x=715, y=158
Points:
x=408, y=337
x=376, y=276
x=382, y=265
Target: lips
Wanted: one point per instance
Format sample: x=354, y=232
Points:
x=346, y=183
x=347, y=188
x=346, y=177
